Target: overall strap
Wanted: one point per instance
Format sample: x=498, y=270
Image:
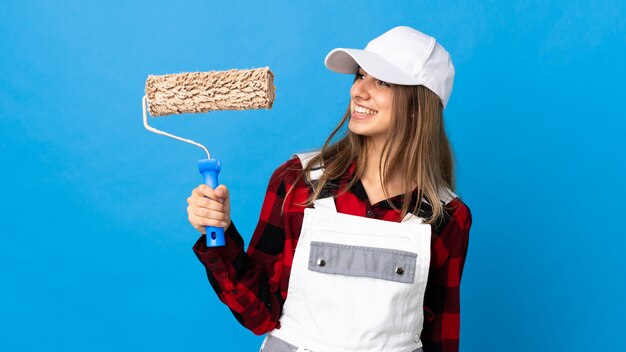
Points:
x=445, y=197
x=316, y=172
x=411, y=217
x=305, y=158
x=326, y=203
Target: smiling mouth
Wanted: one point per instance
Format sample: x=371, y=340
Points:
x=363, y=111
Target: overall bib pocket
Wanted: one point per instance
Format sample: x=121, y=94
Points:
x=372, y=262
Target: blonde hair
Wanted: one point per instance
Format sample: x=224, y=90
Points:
x=416, y=146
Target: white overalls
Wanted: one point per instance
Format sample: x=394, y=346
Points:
x=356, y=283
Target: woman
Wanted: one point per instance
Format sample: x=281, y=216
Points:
x=360, y=246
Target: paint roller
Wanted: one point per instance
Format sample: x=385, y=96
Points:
x=196, y=92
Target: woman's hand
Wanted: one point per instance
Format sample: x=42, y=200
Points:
x=209, y=207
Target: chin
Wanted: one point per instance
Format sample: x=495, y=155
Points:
x=362, y=129
x=357, y=130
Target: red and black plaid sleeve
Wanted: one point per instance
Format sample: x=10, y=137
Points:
x=253, y=283
x=442, y=299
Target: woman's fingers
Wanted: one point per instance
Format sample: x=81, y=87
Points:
x=201, y=222
x=208, y=192
x=203, y=202
x=206, y=213
x=222, y=192
x=208, y=207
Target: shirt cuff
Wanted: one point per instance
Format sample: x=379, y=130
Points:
x=214, y=258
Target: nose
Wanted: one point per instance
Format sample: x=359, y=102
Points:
x=360, y=89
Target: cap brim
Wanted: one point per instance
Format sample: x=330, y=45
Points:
x=344, y=60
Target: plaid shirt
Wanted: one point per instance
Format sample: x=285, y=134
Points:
x=253, y=283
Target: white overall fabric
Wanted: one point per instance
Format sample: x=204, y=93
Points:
x=374, y=306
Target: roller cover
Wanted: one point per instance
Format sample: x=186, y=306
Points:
x=206, y=91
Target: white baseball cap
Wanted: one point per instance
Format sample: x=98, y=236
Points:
x=402, y=55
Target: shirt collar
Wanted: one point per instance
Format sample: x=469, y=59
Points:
x=359, y=192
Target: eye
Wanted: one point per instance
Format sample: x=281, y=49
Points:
x=383, y=83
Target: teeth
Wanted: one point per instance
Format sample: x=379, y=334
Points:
x=365, y=111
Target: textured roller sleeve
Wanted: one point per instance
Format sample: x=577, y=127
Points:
x=207, y=91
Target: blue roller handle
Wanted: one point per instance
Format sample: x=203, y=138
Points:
x=210, y=168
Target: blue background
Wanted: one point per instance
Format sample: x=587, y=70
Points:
x=96, y=248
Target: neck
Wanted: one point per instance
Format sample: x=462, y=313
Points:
x=371, y=174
